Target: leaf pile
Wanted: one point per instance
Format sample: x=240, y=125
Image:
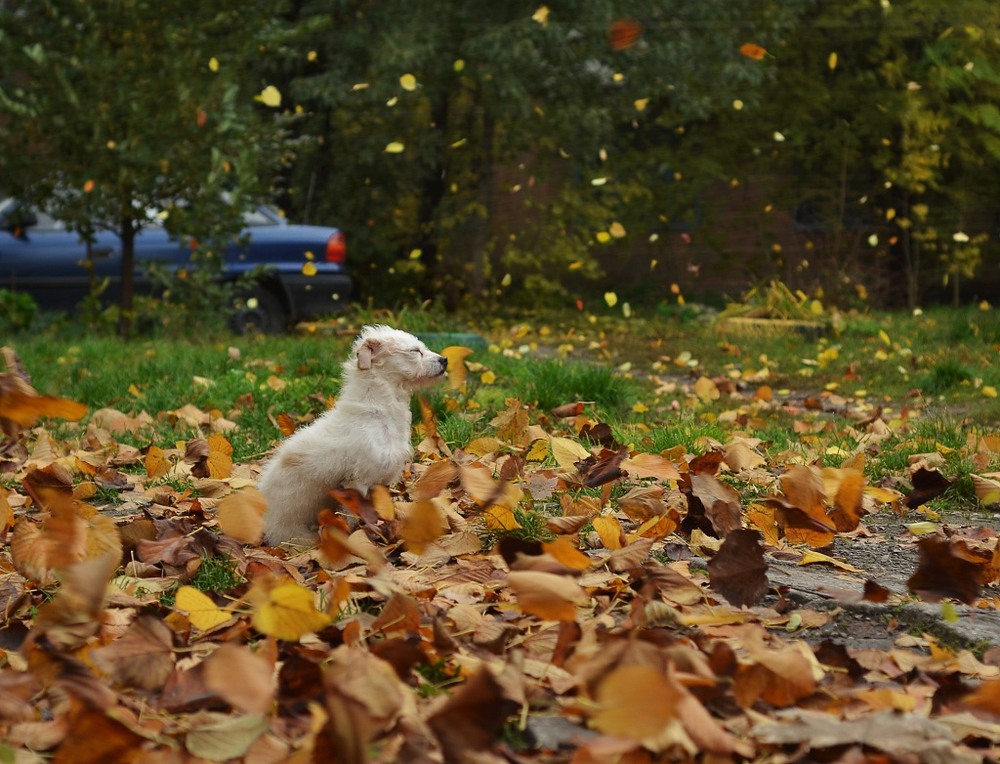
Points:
x=542, y=593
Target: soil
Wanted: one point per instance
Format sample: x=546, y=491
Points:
x=888, y=556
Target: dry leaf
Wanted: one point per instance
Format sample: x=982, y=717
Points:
x=548, y=596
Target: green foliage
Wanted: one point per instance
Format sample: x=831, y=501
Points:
x=103, y=156
x=518, y=139
x=552, y=383
x=17, y=310
x=216, y=574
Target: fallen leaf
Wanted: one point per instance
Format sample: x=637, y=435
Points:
x=548, y=596
x=942, y=573
x=288, y=612
x=203, y=614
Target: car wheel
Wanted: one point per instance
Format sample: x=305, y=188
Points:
x=258, y=311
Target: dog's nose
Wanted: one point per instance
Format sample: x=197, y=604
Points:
x=443, y=361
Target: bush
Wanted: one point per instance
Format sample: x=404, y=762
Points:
x=17, y=310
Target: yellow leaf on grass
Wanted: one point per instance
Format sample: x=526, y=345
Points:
x=203, y=614
x=610, y=531
x=706, y=389
x=499, y=518
x=567, y=452
x=987, y=488
x=289, y=613
x=546, y=595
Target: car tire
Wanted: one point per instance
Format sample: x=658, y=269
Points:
x=258, y=311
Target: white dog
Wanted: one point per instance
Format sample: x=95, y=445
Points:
x=364, y=440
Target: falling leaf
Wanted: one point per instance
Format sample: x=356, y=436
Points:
x=408, y=82
x=928, y=483
x=636, y=703
x=241, y=515
x=541, y=15
x=831, y=60
x=548, y=596
x=943, y=573
x=309, y=269
x=203, y=614
x=213, y=64
x=623, y=34
x=751, y=50
x=395, y=147
x=270, y=96
x=457, y=370
x=143, y=657
x=254, y=692
x=617, y=230
x=738, y=570
x=611, y=299
x=289, y=612
x=422, y=524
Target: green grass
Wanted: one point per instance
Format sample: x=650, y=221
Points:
x=926, y=372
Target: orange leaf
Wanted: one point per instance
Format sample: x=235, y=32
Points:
x=624, y=33
x=548, y=596
x=635, y=703
x=241, y=515
x=457, y=370
x=567, y=553
x=751, y=50
x=422, y=524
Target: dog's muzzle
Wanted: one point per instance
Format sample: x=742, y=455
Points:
x=443, y=363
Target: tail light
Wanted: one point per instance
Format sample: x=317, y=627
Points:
x=336, y=248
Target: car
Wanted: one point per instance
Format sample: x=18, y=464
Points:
x=284, y=273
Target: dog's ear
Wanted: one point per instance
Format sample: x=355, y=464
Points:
x=365, y=353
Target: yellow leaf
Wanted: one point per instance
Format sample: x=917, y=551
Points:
x=640, y=104
x=156, y=463
x=610, y=531
x=567, y=452
x=396, y=147
x=289, y=613
x=566, y=552
x=456, y=356
x=488, y=378
x=408, y=82
x=213, y=64
x=422, y=524
x=541, y=15
x=603, y=237
x=499, y=518
x=538, y=451
x=989, y=391
x=706, y=389
x=831, y=61
x=203, y=614
x=611, y=299
x=617, y=230
x=270, y=96
x=309, y=269
x=811, y=556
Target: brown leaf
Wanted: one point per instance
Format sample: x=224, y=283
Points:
x=802, y=511
x=143, y=657
x=779, y=676
x=927, y=484
x=468, y=723
x=721, y=503
x=606, y=470
x=568, y=410
x=254, y=692
x=637, y=703
x=740, y=456
x=738, y=570
x=942, y=573
x=434, y=480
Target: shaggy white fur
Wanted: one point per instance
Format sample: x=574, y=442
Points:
x=364, y=440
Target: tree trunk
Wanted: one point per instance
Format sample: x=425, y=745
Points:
x=126, y=305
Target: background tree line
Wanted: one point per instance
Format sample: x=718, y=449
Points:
x=523, y=152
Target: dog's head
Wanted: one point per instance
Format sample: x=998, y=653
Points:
x=397, y=356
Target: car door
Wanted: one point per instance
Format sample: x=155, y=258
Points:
x=50, y=263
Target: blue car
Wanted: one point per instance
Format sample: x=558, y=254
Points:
x=298, y=270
